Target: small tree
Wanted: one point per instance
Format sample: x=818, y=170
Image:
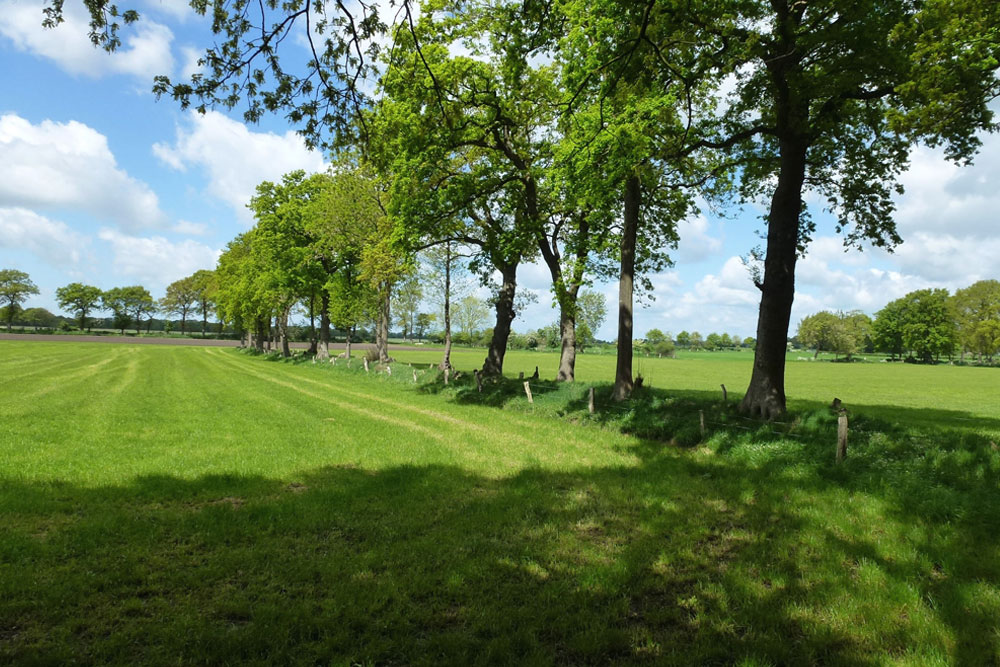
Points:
x=79, y=299
x=15, y=288
x=182, y=296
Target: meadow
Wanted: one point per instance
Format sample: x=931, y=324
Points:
x=202, y=505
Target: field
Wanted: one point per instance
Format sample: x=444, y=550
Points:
x=201, y=505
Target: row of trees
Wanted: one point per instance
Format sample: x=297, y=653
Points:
x=127, y=305
x=130, y=305
x=582, y=131
x=923, y=325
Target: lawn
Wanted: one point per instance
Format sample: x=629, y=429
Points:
x=200, y=505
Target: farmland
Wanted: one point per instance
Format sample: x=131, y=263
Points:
x=181, y=504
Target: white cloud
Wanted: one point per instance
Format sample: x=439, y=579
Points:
x=155, y=261
x=696, y=240
x=178, y=10
x=50, y=240
x=144, y=53
x=233, y=158
x=190, y=228
x=190, y=67
x=69, y=166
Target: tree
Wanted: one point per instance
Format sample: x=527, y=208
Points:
x=928, y=328
x=140, y=304
x=713, y=341
x=592, y=310
x=887, y=329
x=977, y=311
x=921, y=323
x=445, y=273
x=38, y=317
x=829, y=97
x=127, y=304
x=684, y=339
x=822, y=331
x=424, y=322
x=470, y=314
x=467, y=136
x=15, y=288
x=80, y=299
x=407, y=302
x=696, y=341
x=181, y=297
x=205, y=286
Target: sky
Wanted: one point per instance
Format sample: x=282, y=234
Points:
x=101, y=183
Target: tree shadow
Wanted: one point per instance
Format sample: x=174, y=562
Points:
x=682, y=559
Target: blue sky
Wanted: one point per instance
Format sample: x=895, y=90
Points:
x=100, y=183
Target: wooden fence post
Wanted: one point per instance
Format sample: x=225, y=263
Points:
x=725, y=394
x=527, y=391
x=447, y=372
x=366, y=364
x=520, y=376
x=841, y=435
x=414, y=377
x=388, y=369
x=479, y=380
x=701, y=421
x=590, y=401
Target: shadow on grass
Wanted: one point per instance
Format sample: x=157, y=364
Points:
x=687, y=558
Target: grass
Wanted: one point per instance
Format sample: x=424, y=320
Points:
x=188, y=505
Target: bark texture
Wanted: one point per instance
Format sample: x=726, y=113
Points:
x=324, y=326
x=626, y=280
x=505, y=315
x=382, y=329
x=765, y=397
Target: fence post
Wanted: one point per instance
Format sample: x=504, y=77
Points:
x=388, y=369
x=520, y=376
x=414, y=377
x=366, y=364
x=527, y=391
x=701, y=422
x=725, y=394
x=447, y=372
x=590, y=401
x=479, y=380
x=841, y=435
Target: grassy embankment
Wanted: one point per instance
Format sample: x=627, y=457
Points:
x=199, y=505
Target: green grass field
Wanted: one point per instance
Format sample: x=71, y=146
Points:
x=200, y=505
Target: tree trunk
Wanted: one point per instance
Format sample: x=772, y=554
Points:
x=282, y=322
x=493, y=365
x=324, y=326
x=382, y=328
x=261, y=334
x=446, y=359
x=312, y=325
x=567, y=332
x=766, y=394
x=623, y=372
x=350, y=335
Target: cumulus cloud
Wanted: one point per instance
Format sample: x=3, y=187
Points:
x=154, y=261
x=69, y=166
x=697, y=240
x=189, y=228
x=235, y=159
x=52, y=241
x=144, y=53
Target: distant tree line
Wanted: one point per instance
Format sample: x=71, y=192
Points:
x=923, y=326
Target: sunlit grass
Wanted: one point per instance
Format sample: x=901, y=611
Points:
x=191, y=505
